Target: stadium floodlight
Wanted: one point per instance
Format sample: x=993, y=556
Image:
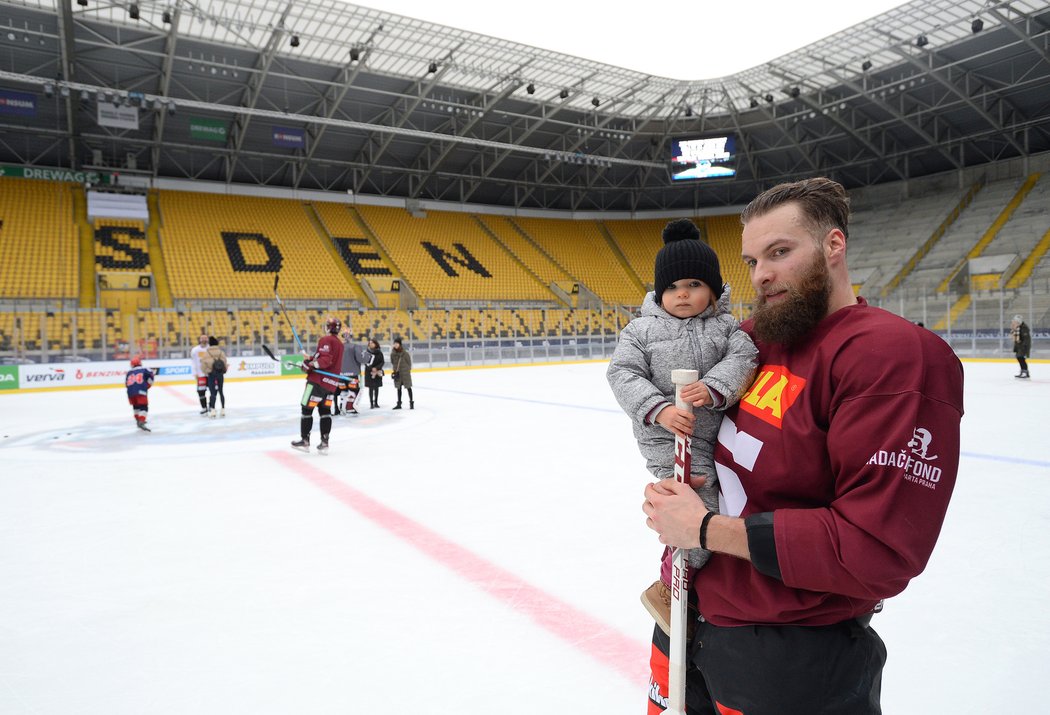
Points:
x=294, y=42
x=166, y=17
x=595, y=101
x=753, y=103
x=82, y=3
x=133, y=11
x=865, y=66
x=769, y=98
x=921, y=41
x=795, y=92
x=355, y=54
x=531, y=89
x=564, y=94
x=977, y=25
x=432, y=68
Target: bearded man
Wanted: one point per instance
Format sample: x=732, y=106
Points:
x=835, y=470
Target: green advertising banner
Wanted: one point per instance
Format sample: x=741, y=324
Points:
x=8, y=377
x=211, y=130
x=49, y=174
x=287, y=369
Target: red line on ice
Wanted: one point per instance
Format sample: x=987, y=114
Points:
x=179, y=394
x=623, y=654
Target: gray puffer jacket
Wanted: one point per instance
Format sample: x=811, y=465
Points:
x=653, y=345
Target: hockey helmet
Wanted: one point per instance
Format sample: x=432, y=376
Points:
x=333, y=325
x=136, y=360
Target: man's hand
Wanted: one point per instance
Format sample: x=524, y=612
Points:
x=697, y=394
x=674, y=511
x=680, y=422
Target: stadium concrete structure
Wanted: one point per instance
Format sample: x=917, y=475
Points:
x=161, y=161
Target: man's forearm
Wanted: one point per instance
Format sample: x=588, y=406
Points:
x=727, y=535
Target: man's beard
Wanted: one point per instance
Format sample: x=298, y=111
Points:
x=792, y=318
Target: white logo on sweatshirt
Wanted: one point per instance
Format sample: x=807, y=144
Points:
x=920, y=442
x=915, y=466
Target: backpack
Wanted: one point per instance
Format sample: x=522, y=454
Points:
x=218, y=367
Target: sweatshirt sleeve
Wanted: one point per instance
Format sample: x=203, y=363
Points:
x=732, y=375
x=893, y=450
x=630, y=378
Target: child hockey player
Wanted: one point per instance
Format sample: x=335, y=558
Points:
x=138, y=382
x=684, y=324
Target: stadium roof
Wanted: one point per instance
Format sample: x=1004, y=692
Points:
x=395, y=106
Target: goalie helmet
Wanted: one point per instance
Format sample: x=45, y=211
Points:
x=333, y=325
x=136, y=361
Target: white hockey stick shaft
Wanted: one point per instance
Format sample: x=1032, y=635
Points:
x=680, y=584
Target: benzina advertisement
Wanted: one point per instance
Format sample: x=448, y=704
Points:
x=79, y=374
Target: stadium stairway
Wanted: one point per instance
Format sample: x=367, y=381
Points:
x=993, y=231
x=932, y=240
x=86, y=241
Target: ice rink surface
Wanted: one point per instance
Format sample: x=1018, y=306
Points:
x=482, y=553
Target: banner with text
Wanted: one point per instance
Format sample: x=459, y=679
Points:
x=9, y=377
x=117, y=117
x=47, y=174
x=20, y=103
x=209, y=130
x=289, y=137
x=113, y=372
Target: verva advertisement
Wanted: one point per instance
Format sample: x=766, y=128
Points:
x=79, y=374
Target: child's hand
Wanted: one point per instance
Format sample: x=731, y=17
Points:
x=672, y=419
x=697, y=394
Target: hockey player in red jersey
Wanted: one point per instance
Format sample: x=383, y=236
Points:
x=835, y=471
x=320, y=388
x=138, y=381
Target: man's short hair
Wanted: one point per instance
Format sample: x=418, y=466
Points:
x=824, y=204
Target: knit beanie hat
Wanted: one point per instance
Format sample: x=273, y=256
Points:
x=684, y=255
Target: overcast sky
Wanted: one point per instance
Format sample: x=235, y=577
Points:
x=669, y=38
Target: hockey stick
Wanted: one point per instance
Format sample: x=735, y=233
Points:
x=676, y=656
x=299, y=365
x=277, y=277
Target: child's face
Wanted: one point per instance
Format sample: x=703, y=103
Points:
x=687, y=297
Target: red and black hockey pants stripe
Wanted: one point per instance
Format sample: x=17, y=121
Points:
x=140, y=406
x=319, y=397
x=775, y=670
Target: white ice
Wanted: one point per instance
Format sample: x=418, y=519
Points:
x=482, y=553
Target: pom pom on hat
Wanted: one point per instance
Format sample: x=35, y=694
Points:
x=685, y=255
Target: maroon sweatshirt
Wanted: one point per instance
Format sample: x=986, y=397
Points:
x=328, y=357
x=850, y=442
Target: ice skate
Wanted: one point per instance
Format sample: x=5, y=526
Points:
x=142, y=426
x=303, y=445
x=322, y=448
x=1022, y=375
x=222, y=412
x=212, y=413
x=411, y=405
x=204, y=411
x=397, y=406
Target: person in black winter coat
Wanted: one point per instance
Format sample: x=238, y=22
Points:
x=401, y=371
x=1022, y=344
x=374, y=372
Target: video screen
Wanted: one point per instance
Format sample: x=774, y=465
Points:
x=703, y=158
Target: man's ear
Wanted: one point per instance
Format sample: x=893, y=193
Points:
x=835, y=244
